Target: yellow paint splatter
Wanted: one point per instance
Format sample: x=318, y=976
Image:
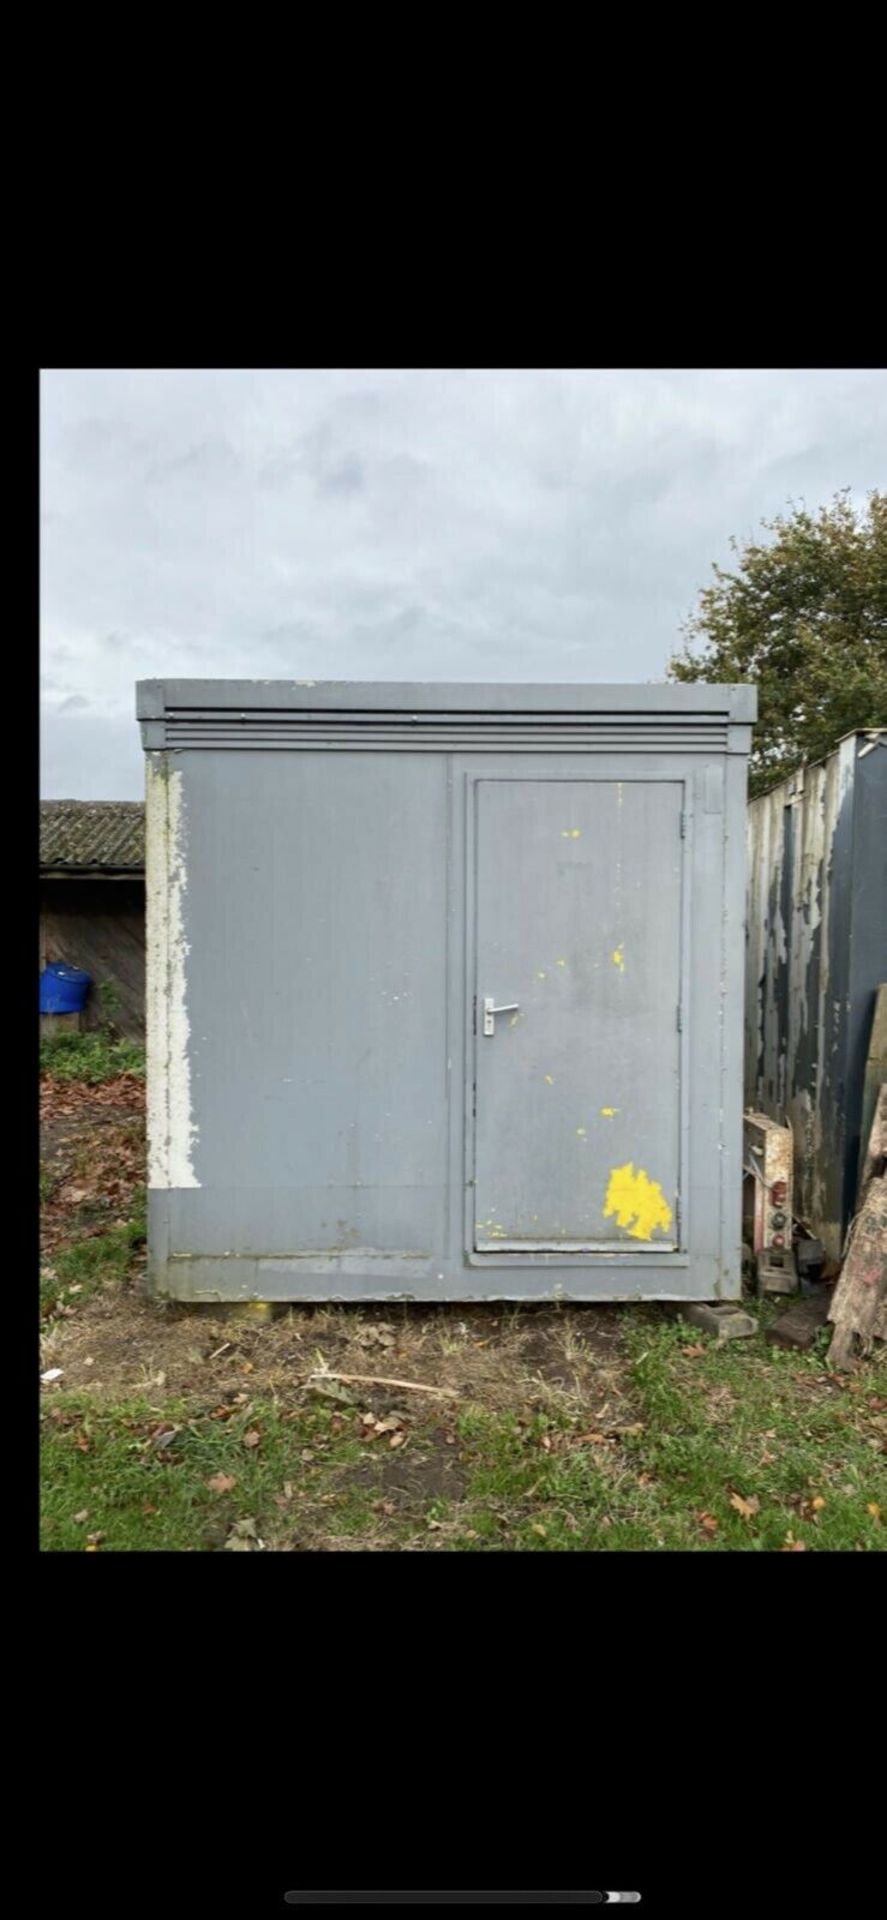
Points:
x=560, y=963
x=637, y=1201
x=549, y=1079
x=540, y=976
x=514, y=1020
x=608, y=1112
x=581, y=1132
x=570, y=833
x=618, y=958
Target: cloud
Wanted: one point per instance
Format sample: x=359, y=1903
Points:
x=410, y=524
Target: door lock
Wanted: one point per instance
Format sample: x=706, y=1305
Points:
x=490, y=1012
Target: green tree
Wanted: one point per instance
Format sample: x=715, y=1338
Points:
x=804, y=616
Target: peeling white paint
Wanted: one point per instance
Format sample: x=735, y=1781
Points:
x=171, y=1129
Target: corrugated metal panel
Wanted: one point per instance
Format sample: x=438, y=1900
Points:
x=816, y=952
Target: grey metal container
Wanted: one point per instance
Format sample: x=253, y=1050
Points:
x=445, y=989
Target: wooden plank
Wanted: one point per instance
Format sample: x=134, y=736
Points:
x=875, y=1075
x=859, y=1304
x=876, y=1150
x=102, y=931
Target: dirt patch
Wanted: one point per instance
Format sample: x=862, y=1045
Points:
x=397, y=1489
x=565, y=1349
x=119, y=1342
x=412, y=1477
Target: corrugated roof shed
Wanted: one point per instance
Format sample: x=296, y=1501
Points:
x=92, y=835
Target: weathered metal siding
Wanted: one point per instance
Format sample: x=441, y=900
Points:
x=330, y=896
x=816, y=952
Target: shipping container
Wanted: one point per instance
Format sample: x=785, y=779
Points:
x=444, y=990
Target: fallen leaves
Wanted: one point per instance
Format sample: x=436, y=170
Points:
x=221, y=1483
x=252, y=1438
x=372, y=1428
x=378, y=1333
x=695, y=1352
x=95, y=1165
x=708, y=1522
x=809, y=1509
x=244, y=1538
x=746, y=1507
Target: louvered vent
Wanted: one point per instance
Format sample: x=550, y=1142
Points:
x=300, y=728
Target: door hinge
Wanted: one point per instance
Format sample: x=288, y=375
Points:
x=677, y=1219
x=683, y=826
x=680, y=1018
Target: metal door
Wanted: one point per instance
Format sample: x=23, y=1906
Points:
x=577, y=1097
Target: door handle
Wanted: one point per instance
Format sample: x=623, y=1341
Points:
x=490, y=1012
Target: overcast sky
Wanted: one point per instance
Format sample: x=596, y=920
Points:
x=401, y=525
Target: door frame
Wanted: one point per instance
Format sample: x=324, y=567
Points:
x=605, y=772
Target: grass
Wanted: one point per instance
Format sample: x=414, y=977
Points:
x=107, y=1463
x=740, y=1447
x=731, y=1420
x=83, y=1266
x=91, y=1058
x=735, y=1420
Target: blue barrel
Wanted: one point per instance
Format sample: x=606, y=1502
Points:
x=63, y=989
